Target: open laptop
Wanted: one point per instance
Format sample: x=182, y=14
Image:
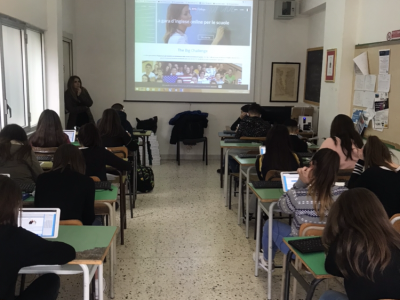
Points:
x=43, y=222
x=71, y=135
x=288, y=180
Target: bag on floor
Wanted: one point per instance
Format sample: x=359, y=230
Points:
x=145, y=179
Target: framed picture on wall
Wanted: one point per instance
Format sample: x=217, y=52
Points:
x=330, y=71
x=285, y=79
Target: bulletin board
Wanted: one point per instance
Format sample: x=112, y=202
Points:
x=391, y=135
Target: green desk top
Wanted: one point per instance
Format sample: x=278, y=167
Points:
x=91, y=243
x=267, y=195
x=240, y=145
x=315, y=262
x=148, y=133
x=76, y=144
x=99, y=195
x=245, y=161
x=313, y=147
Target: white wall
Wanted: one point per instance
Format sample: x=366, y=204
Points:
x=32, y=12
x=316, y=29
x=68, y=16
x=100, y=60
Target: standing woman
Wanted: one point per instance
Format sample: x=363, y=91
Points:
x=49, y=131
x=345, y=140
x=77, y=102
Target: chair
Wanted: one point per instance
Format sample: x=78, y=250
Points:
x=306, y=229
x=71, y=222
x=344, y=175
x=95, y=178
x=260, y=138
x=192, y=142
x=395, y=220
x=49, y=151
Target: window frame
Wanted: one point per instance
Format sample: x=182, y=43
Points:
x=23, y=27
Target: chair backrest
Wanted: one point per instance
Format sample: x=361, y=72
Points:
x=395, y=220
x=273, y=175
x=260, y=138
x=344, y=175
x=121, y=152
x=71, y=222
x=95, y=178
x=309, y=229
x=47, y=151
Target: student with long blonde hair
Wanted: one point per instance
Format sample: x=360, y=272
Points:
x=363, y=247
x=309, y=201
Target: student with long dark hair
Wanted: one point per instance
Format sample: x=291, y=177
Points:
x=67, y=187
x=309, y=201
x=96, y=156
x=16, y=155
x=49, y=131
x=279, y=154
x=363, y=247
x=345, y=140
x=112, y=133
x=381, y=175
x=77, y=103
x=21, y=248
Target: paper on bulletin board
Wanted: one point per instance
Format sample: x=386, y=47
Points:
x=361, y=64
x=381, y=119
x=384, y=61
x=357, y=101
x=368, y=99
x=384, y=83
x=365, y=83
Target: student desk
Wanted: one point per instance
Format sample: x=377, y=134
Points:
x=267, y=198
x=314, y=262
x=226, y=135
x=76, y=144
x=229, y=146
x=145, y=139
x=250, y=163
x=91, y=244
x=313, y=148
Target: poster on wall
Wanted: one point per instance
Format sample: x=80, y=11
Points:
x=330, y=71
x=285, y=79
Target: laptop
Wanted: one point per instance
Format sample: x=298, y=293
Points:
x=71, y=135
x=288, y=180
x=43, y=222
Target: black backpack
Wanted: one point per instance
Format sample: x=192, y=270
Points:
x=145, y=179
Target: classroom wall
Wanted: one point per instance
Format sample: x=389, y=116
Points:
x=32, y=12
x=100, y=62
x=316, y=29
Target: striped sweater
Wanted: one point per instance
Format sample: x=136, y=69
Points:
x=296, y=201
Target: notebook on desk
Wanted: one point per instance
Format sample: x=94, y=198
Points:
x=71, y=135
x=43, y=222
x=288, y=180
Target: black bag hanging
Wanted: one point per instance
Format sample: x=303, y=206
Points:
x=145, y=179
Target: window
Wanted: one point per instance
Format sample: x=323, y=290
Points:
x=22, y=87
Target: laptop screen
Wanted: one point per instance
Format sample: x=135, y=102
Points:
x=71, y=135
x=43, y=222
x=288, y=180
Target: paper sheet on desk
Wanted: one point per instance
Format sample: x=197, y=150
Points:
x=361, y=64
x=384, y=83
x=384, y=61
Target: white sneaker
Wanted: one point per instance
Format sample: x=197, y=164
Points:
x=262, y=262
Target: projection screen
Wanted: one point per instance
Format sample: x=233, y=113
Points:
x=190, y=51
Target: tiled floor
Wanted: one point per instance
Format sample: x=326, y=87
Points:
x=183, y=243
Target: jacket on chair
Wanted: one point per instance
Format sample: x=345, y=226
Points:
x=188, y=125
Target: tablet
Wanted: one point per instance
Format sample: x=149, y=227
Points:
x=288, y=180
x=71, y=135
x=43, y=222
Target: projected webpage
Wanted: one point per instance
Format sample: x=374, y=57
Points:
x=192, y=46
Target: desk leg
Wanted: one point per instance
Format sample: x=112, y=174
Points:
x=86, y=282
x=258, y=229
x=287, y=275
x=101, y=287
x=144, y=151
x=113, y=257
x=226, y=177
x=220, y=174
x=247, y=201
x=240, y=195
x=270, y=260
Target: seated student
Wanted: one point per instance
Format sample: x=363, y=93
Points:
x=345, y=140
x=279, y=154
x=113, y=134
x=49, y=131
x=96, y=156
x=363, y=247
x=67, y=187
x=243, y=113
x=298, y=145
x=253, y=125
x=21, y=248
x=309, y=201
x=381, y=175
x=16, y=155
x=123, y=117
